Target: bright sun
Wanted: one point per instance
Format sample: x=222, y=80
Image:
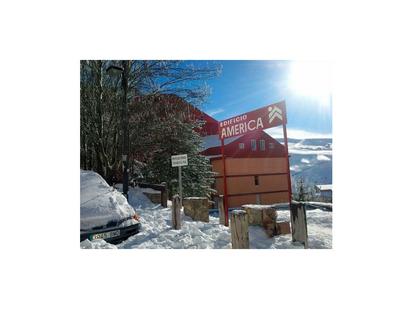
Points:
x=311, y=79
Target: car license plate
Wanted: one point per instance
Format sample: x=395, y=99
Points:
x=106, y=235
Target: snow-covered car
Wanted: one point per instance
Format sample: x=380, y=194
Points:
x=104, y=211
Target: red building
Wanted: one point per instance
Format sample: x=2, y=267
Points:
x=256, y=166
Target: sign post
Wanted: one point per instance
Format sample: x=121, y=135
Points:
x=225, y=199
x=179, y=161
x=180, y=184
x=285, y=140
x=269, y=116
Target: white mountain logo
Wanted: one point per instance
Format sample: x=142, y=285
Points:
x=274, y=112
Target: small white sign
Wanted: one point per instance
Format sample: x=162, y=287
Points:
x=179, y=160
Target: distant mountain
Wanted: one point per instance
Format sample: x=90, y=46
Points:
x=323, y=142
x=311, y=159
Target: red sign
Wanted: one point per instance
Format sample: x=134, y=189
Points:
x=269, y=116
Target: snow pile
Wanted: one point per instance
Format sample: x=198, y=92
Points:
x=319, y=232
x=258, y=206
x=137, y=199
x=150, y=190
x=322, y=157
x=319, y=204
x=100, y=203
x=96, y=244
x=156, y=232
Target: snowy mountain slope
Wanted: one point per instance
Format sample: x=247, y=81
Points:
x=312, y=160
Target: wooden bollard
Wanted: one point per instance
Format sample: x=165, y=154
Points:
x=299, y=223
x=176, y=216
x=164, y=194
x=222, y=213
x=239, y=229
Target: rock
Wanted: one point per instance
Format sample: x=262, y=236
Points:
x=260, y=214
x=282, y=228
x=196, y=208
x=270, y=229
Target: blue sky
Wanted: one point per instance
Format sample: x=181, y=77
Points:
x=247, y=85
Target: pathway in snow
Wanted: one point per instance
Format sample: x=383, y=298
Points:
x=157, y=232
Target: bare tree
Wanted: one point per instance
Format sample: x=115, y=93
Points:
x=100, y=97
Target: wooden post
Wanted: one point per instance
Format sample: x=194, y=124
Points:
x=222, y=211
x=164, y=194
x=285, y=140
x=176, y=217
x=299, y=223
x=239, y=229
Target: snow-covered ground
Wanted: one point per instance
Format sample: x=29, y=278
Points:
x=157, y=233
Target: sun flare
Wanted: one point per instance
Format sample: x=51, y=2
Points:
x=311, y=79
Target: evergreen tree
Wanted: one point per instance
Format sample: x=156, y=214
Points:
x=300, y=190
x=165, y=131
x=304, y=191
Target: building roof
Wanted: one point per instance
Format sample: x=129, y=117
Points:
x=210, y=141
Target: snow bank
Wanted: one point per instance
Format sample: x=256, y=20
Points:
x=150, y=190
x=319, y=204
x=96, y=244
x=319, y=232
x=100, y=203
x=156, y=232
x=137, y=199
x=322, y=157
x=257, y=206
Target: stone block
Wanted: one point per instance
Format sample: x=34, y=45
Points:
x=196, y=208
x=260, y=214
x=270, y=229
x=282, y=228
